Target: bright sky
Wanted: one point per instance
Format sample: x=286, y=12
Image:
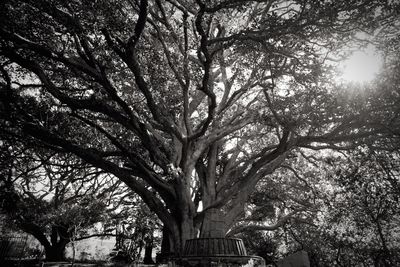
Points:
x=361, y=66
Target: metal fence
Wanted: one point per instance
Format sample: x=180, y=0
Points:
x=12, y=246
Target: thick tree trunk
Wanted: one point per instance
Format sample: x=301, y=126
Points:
x=184, y=231
x=214, y=224
x=166, y=246
x=182, y=228
x=55, y=252
x=175, y=234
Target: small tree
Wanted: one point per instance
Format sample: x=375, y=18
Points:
x=48, y=196
x=137, y=228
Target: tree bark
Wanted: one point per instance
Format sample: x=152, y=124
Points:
x=213, y=224
x=165, y=245
x=55, y=252
x=148, y=250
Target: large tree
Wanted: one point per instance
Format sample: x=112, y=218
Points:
x=189, y=103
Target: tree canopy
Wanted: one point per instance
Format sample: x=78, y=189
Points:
x=190, y=104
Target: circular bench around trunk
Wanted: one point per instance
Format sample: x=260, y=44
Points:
x=221, y=252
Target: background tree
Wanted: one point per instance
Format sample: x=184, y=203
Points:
x=55, y=198
x=190, y=105
x=368, y=204
x=353, y=217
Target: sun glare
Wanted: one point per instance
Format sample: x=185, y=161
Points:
x=362, y=66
